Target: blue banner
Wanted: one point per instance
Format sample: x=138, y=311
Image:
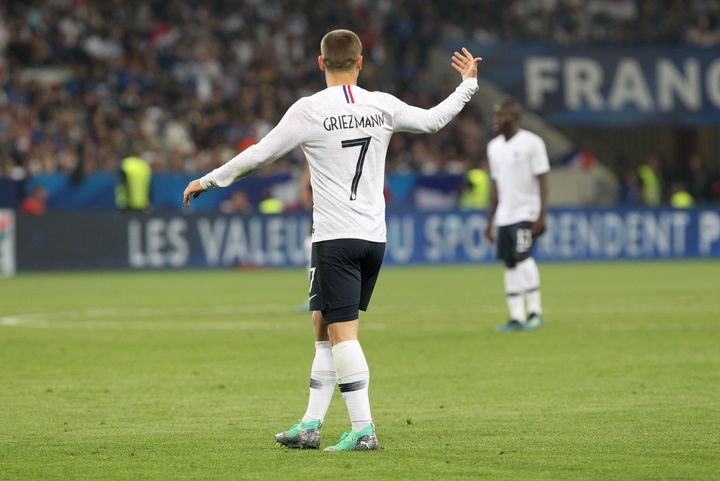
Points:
x=608, y=85
x=119, y=240
x=97, y=191
x=573, y=234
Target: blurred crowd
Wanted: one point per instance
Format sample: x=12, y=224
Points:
x=187, y=84
x=651, y=183
x=694, y=22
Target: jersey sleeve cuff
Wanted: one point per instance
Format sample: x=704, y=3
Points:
x=470, y=83
x=206, y=183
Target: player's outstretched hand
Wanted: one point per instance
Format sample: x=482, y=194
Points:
x=193, y=189
x=465, y=64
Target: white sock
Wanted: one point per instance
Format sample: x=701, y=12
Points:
x=514, y=294
x=322, y=382
x=531, y=284
x=353, y=376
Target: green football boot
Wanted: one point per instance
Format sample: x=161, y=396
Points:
x=511, y=326
x=534, y=322
x=301, y=436
x=365, y=440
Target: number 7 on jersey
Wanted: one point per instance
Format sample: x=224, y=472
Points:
x=363, y=143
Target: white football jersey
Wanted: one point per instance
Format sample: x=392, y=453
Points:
x=344, y=132
x=514, y=166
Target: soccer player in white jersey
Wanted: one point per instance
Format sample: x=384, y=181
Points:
x=344, y=132
x=518, y=205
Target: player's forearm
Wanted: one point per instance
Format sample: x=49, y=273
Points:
x=492, y=205
x=418, y=120
x=445, y=111
x=240, y=166
x=542, y=179
x=269, y=149
x=491, y=211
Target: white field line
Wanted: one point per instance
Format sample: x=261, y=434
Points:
x=429, y=317
x=176, y=318
x=153, y=325
x=152, y=318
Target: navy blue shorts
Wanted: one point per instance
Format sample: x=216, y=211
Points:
x=343, y=273
x=514, y=243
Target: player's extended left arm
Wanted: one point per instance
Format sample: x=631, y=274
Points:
x=539, y=227
x=279, y=141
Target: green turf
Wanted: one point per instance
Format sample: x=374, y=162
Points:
x=187, y=375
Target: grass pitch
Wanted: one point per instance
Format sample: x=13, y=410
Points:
x=187, y=375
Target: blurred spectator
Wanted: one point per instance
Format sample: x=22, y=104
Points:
x=698, y=179
x=680, y=198
x=630, y=189
x=132, y=191
x=714, y=189
x=35, y=203
x=476, y=190
x=269, y=204
x=651, y=181
x=238, y=203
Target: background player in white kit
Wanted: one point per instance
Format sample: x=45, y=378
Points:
x=344, y=132
x=518, y=205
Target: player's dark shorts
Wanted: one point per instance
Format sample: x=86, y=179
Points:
x=514, y=243
x=342, y=277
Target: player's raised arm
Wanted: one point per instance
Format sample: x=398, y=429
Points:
x=286, y=135
x=416, y=120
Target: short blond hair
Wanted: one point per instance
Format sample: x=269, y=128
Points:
x=340, y=49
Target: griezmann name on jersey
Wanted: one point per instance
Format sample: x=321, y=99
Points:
x=352, y=121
